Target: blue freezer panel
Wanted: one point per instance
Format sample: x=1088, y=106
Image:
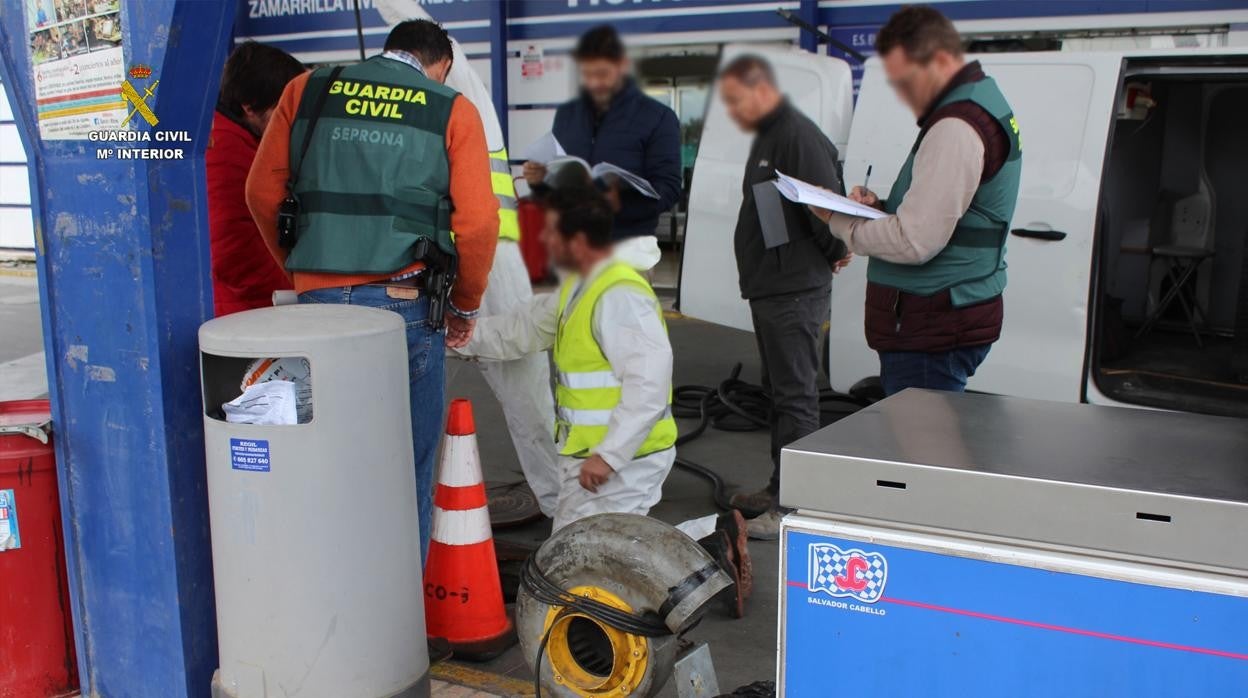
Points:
x=863, y=619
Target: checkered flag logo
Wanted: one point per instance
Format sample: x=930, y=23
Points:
x=847, y=573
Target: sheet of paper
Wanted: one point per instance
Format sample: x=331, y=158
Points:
x=604, y=169
x=271, y=402
x=801, y=192
x=544, y=149
x=699, y=528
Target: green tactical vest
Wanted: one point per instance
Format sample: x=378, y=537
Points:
x=972, y=266
x=376, y=178
x=586, y=390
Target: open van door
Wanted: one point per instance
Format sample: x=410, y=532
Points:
x=822, y=88
x=1064, y=103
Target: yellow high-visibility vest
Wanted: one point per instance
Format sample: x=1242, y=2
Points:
x=505, y=190
x=586, y=389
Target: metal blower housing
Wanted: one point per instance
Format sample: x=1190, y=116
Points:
x=633, y=563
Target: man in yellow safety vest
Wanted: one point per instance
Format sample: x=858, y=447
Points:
x=613, y=427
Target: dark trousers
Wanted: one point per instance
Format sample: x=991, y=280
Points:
x=788, y=329
x=942, y=370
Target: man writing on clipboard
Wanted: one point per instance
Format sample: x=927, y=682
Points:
x=937, y=271
x=785, y=259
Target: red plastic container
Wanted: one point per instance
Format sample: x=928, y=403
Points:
x=37, y=658
x=532, y=218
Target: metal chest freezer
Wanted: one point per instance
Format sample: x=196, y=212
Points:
x=970, y=545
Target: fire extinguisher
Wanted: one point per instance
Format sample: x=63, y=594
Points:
x=532, y=217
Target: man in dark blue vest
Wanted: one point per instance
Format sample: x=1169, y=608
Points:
x=613, y=121
x=937, y=267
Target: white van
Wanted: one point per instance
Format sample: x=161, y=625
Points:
x=1134, y=191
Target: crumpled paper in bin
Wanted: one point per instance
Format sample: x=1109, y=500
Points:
x=272, y=402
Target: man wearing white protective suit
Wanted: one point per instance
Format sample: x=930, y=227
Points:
x=614, y=431
x=522, y=385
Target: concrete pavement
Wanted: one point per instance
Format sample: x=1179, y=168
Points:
x=743, y=650
x=22, y=369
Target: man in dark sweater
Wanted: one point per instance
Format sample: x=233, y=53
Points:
x=613, y=121
x=787, y=278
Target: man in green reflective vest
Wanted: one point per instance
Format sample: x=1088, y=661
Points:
x=613, y=427
x=937, y=267
x=395, y=164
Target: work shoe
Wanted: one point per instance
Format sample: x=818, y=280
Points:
x=731, y=600
x=733, y=524
x=766, y=526
x=753, y=504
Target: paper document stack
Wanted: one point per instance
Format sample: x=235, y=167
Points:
x=548, y=151
x=805, y=193
x=600, y=171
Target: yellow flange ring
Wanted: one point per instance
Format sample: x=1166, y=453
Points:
x=591, y=658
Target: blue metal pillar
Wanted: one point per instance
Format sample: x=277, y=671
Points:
x=498, y=63
x=124, y=283
x=808, y=11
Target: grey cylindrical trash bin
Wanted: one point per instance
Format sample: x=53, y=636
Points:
x=315, y=545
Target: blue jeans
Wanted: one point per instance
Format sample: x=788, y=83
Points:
x=943, y=370
x=426, y=378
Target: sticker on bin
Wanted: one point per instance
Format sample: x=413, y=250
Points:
x=249, y=454
x=9, y=537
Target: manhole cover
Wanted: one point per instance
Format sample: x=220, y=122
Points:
x=511, y=504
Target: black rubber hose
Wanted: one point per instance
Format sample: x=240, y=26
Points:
x=737, y=406
x=643, y=624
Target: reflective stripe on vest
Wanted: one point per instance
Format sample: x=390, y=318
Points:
x=972, y=265
x=596, y=418
x=505, y=189
x=363, y=204
x=586, y=390
x=588, y=379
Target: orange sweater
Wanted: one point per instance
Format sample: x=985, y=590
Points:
x=474, y=214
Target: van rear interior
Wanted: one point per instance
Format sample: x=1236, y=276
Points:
x=1172, y=320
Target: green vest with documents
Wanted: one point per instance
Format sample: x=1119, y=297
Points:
x=972, y=266
x=375, y=179
x=586, y=389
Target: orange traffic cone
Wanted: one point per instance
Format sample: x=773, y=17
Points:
x=463, y=594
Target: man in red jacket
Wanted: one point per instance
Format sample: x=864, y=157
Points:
x=244, y=273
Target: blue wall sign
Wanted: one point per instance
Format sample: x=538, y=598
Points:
x=305, y=26
x=861, y=38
